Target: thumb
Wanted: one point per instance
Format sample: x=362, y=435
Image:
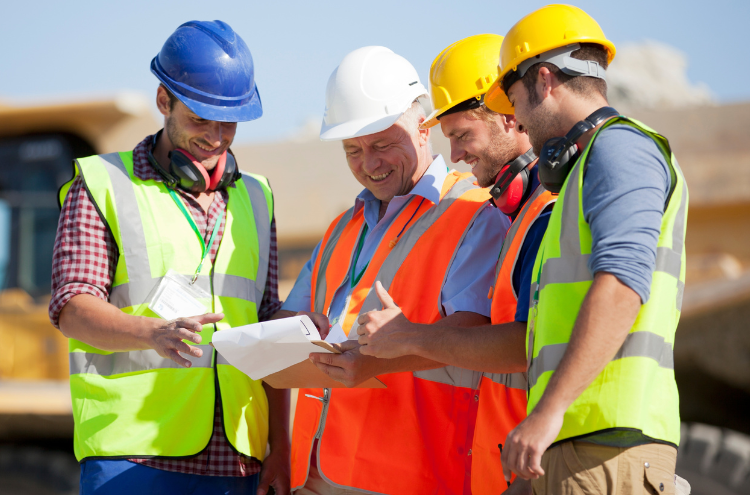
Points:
x=384, y=297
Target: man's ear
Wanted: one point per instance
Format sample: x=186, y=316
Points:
x=508, y=121
x=162, y=101
x=424, y=134
x=545, y=82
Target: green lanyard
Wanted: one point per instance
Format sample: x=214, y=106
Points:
x=354, y=280
x=206, y=248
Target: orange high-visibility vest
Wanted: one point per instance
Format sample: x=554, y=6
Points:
x=502, y=397
x=414, y=436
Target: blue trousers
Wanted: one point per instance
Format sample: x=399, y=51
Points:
x=121, y=477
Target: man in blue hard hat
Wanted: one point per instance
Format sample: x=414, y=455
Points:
x=147, y=239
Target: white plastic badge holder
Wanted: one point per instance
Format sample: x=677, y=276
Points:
x=177, y=297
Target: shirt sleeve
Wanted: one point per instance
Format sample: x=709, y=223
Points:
x=299, y=297
x=525, y=265
x=270, y=303
x=85, y=254
x=473, y=270
x=624, y=194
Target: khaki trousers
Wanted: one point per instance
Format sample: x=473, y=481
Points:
x=581, y=468
x=316, y=485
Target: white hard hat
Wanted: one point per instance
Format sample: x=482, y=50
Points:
x=368, y=92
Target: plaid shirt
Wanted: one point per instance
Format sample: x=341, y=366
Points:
x=83, y=262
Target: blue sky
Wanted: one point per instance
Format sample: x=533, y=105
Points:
x=56, y=51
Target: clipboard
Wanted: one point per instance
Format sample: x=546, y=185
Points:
x=306, y=375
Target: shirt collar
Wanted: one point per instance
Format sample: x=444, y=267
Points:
x=429, y=186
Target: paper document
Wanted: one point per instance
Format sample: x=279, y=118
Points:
x=261, y=349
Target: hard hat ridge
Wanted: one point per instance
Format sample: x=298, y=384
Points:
x=210, y=69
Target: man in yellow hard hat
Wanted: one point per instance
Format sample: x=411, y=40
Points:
x=608, y=280
x=501, y=157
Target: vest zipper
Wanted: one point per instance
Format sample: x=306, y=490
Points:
x=324, y=413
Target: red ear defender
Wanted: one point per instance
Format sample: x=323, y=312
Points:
x=508, y=201
x=192, y=175
x=511, y=183
x=218, y=172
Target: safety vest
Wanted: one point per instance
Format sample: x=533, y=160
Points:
x=137, y=403
x=637, y=389
x=502, y=397
x=415, y=435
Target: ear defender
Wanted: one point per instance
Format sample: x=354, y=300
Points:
x=187, y=173
x=559, y=155
x=512, y=183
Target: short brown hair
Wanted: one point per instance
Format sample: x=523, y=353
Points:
x=578, y=84
x=482, y=113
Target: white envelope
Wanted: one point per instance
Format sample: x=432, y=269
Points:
x=261, y=349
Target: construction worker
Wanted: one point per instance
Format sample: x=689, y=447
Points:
x=428, y=235
x=147, y=239
x=501, y=158
x=608, y=280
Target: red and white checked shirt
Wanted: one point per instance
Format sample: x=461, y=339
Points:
x=83, y=262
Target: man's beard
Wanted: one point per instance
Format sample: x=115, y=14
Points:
x=499, y=151
x=540, y=125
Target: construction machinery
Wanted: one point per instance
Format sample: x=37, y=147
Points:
x=37, y=146
x=38, y=143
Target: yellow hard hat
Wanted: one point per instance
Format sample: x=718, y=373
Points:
x=463, y=71
x=552, y=31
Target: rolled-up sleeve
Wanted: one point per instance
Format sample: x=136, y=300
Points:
x=472, y=272
x=85, y=254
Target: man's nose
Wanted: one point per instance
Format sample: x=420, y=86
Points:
x=370, y=162
x=214, y=134
x=457, y=153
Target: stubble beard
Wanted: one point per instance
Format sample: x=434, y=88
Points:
x=500, y=150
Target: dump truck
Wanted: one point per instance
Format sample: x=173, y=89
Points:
x=38, y=144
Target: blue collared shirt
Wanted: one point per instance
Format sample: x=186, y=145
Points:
x=470, y=275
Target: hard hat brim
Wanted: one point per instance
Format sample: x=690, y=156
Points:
x=497, y=101
x=357, y=128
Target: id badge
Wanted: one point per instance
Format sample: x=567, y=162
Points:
x=176, y=297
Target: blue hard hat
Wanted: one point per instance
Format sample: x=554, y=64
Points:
x=209, y=68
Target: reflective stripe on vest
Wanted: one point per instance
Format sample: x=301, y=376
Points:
x=646, y=355
x=130, y=362
x=152, y=397
x=422, y=418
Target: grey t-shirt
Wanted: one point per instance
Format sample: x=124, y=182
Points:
x=625, y=189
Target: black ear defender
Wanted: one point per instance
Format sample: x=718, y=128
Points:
x=559, y=154
x=187, y=173
x=512, y=183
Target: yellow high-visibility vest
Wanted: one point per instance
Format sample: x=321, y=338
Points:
x=136, y=403
x=636, y=390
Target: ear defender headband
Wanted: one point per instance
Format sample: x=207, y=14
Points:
x=512, y=183
x=187, y=173
x=559, y=154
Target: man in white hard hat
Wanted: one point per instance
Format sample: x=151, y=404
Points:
x=428, y=236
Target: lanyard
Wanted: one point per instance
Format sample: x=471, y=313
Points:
x=206, y=248
x=354, y=280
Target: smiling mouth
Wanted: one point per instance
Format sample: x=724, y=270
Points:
x=207, y=150
x=378, y=178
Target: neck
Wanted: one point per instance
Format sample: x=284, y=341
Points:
x=162, y=148
x=577, y=109
x=383, y=208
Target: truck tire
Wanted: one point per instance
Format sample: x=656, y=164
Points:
x=25, y=470
x=715, y=461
